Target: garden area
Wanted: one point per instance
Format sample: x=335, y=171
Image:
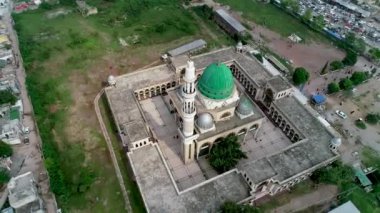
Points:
x=66, y=58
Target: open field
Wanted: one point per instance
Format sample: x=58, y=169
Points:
x=270, y=16
x=66, y=59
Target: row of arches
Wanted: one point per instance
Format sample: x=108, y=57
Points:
x=205, y=148
x=154, y=90
x=247, y=84
x=283, y=125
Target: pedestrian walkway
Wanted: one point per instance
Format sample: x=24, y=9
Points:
x=323, y=194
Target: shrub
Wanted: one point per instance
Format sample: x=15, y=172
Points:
x=259, y=57
x=300, y=76
x=5, y=150
x=225, y=155
x=358, y=77
x=6, y=96
x=231, y=207
x=333, y=88
x=4, y=176
x=372, y=118
x=346, y=84
x=360, y=124
x=336, y=65
x=350, y=59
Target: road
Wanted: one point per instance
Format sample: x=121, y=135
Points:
x=112, y=152
x=32, y=152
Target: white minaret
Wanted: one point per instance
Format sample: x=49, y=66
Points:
x=188, y=111
x=188, y=95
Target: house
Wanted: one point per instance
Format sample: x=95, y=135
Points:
x=228, y=23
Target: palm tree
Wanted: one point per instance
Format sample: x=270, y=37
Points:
x=226, y=154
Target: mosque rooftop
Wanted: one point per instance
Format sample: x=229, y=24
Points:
x=279, y=84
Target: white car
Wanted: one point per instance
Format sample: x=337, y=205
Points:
x=341, y=114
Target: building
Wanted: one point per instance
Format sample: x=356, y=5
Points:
x=23, y=194
x=228, y=23
x=347, y=207
x=170, y=116
x=191, y=47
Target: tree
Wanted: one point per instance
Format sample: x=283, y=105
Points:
x=336, y=65
x=308, y=14
x=5, y=150
x=346, y=84
x=358, y=77
x=350, y=59
x=259, y=57
x=336, y=173
x=294, y=6
x=226, y=154
x=357, y=44
x=319, y=21
x=372, y=118
x=333, y=88
x=300, y=76
x=375, y=53
x=4, y=176
x=231, y=207
x=6, y=96
x=324, y=69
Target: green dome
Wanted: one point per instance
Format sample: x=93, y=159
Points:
x=216, y=82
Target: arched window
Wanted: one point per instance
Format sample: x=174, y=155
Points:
x=242, y=131
x=254, y=127
x=225, y=115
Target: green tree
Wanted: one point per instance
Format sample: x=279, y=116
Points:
x=375, y=53
x=308, y=14
x=226, y=154
x=336, y=65
x=324, y=69
x=346, y=84
x=333, y=88
x=231, y=207
x=358, y=77
x=336, y=173
x=372, y=118
x=5, y=150
x=319, y=21
x=6, y=96
x=294, y=6
x=300, y=76
x=4, y=176
x=357, y=44
x=350, y=59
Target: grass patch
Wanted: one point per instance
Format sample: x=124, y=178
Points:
x=272, y=17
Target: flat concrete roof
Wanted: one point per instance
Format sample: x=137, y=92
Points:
x=194, y=45
x=279, y=84
x=258, y=170
x=125, y=108
x=231, y=20
x=160, y=194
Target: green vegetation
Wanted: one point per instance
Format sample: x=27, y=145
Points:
x=259, y=57
x=358, y=77
x=336, y=173
x=231, y=207
x=374, y=53
x=350, y=58
x=333, y=88
x=61, y=53
x=372, y=118
x=346, y=84
x=357, y=44
x=274, y=18
x=226, y=154
x=360, y=124
x=300, y=76
x=336, y=65
x=4, y=176
x=7, y=97
x=5, y=150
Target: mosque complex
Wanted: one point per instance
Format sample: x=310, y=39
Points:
x=170, y=116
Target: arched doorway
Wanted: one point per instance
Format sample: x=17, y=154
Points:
x=204, y=150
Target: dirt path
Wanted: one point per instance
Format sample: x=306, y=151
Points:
x=323, y=194
x=112, y=153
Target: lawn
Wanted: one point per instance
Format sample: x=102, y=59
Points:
x=272, y=17
x=66, y=59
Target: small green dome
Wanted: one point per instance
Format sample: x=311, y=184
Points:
x=216, y=82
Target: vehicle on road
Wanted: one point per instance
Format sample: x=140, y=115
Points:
x=341, y=114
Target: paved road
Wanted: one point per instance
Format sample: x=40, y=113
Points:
x=31, y=152
x=112, y=152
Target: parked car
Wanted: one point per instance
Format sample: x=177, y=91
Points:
x=341, y=114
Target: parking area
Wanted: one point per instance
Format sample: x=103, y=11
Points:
x=164, y=126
